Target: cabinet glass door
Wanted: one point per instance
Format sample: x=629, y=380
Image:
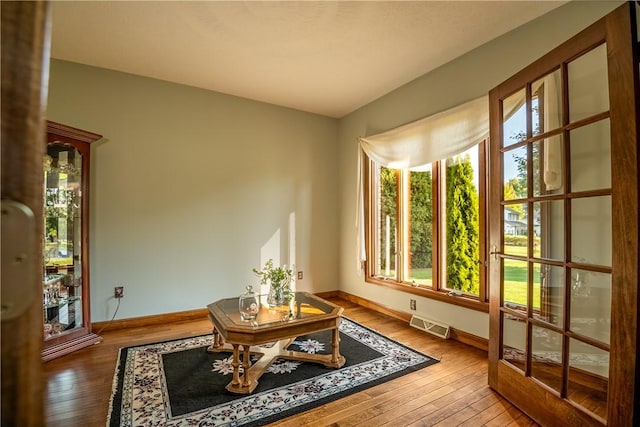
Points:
x=62, y=290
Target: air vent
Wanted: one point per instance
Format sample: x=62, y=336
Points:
x=431, y=326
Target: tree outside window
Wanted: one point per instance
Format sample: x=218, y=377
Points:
x=463, y=229
x=425, y=224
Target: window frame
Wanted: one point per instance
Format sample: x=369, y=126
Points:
x=437, y=290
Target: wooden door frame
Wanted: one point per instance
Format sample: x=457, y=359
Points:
x=618, y=29
x=25, y=72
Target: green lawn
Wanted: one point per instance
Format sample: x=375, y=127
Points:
x=515, y=278
x=421, y=275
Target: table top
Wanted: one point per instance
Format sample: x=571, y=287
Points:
x=305, y=307
x=305, y=314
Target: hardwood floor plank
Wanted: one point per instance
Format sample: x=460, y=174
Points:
x=78, y=386
x=486, y=414
x=449, y=406
x=510, y=415
x=390, y=397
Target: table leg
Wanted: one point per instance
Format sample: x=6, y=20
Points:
x=218, y=340
x=236, y=365
x=335, y=359
x=246, y=364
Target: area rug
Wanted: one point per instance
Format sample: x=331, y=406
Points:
x=177, y=383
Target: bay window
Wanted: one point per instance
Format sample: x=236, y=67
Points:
x=422, y=206
x=425, y=225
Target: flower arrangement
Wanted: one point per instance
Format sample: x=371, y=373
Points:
x=278, y=277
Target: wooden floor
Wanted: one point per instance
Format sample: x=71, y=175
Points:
x=453, y=392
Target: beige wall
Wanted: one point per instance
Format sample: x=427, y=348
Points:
x=461, y=80
x=191, y=189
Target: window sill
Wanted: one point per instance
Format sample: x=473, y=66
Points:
x=443, y=296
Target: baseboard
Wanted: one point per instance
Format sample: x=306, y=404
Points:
x=70, y=346
x=469, y=339
x=455, y=334
x=156, y=319
x=199, y=314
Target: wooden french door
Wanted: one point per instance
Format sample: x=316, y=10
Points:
x=563, y=230
x=25, y=45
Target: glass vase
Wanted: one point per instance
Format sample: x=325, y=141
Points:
x=249, y=304
x=276, y=296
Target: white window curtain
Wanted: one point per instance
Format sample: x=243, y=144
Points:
x=552, y=163
x=436, y=137
x=452, y=132
x=420, y=143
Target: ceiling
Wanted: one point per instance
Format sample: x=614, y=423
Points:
x=328, y=58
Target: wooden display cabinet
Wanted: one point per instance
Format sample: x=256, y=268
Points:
x=65, y=289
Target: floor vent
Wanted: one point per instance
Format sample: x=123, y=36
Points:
x=435, y=328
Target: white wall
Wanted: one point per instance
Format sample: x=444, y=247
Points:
x=191, y=189
x=461, y=80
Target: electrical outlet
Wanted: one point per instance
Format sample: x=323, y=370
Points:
x=412, y=304
x=299, y=275
x=119, y=291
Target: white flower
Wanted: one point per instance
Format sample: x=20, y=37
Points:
x=224, y=366
x=310, y=346
x=283, y=366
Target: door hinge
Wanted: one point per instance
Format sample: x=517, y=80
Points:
x=18, y=260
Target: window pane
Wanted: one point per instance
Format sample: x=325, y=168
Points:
x=546, y=103
x=515, y=173
x=462, y=223
x=591, y=156
x=421, y=227
x=588, y=84
x=387, y=221
x=515, y=275
x=514, y=119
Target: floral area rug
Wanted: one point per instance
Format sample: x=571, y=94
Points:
x=177, y=383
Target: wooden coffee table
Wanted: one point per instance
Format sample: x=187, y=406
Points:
x=281, y=326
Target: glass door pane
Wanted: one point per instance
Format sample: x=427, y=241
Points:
x=514, y=341
x=546, y=357
x=547, y=103
x=588, y=84
x=588, y=377
x=591, y=304
x=591, y=230
x=516, y=290
x=548, y=166
x=590, y=161
x=514, y=119
x=548, y=229
x=548, y=284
